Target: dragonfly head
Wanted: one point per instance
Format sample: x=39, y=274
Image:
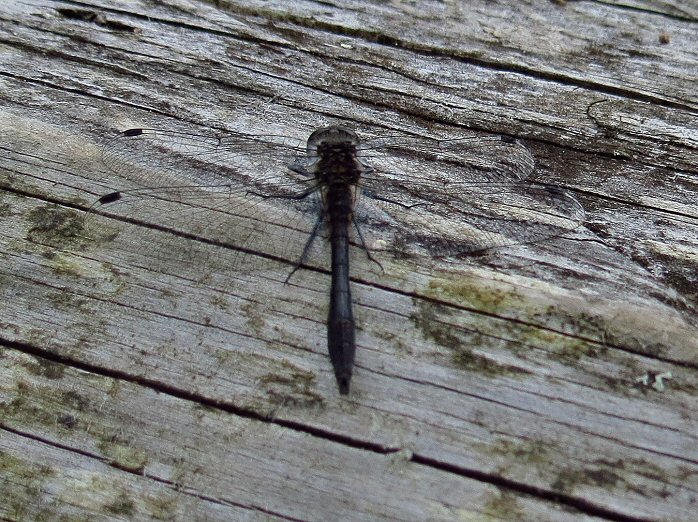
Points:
x=334, y=135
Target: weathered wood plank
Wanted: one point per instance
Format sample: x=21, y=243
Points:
x=83, y=444
x=506, y=385
x=519, y=368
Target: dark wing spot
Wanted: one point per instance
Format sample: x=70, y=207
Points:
x=110, y=198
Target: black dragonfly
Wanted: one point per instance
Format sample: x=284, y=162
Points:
x=274, y=197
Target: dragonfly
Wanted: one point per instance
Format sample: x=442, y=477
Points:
x=336, y=198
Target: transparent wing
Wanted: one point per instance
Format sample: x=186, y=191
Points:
x=152, y=158
x=232, y=190
x=454, y=197
x=474, y=160
x=475, y=217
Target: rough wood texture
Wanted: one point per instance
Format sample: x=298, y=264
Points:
x=519, y=385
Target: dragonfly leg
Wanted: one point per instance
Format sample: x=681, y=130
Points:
x=363, y=244
x=308, y=244
x=373, y=195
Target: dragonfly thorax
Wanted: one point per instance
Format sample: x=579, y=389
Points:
x=337, y=160
x=338, y=164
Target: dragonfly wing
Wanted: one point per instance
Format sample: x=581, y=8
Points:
x=233, y=191
x=453, y=197
x=472, y=218
x=444, y=162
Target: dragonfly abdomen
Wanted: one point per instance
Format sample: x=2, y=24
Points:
x=340, y=322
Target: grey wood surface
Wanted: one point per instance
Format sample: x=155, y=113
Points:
x=517, y=385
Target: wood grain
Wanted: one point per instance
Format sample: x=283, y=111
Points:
x=516, y=385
